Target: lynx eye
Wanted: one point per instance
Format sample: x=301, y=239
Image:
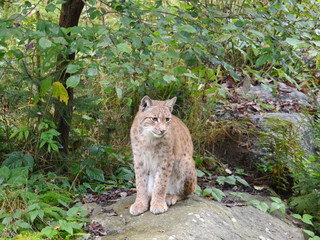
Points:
x=168, y=119
x=154, y=119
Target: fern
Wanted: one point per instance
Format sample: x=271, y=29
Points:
x=307, y=203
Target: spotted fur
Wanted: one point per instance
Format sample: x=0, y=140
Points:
x=162, y=150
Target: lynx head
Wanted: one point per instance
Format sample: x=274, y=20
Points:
x=155, y=116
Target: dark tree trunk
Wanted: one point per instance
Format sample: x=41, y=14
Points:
x=69, y=17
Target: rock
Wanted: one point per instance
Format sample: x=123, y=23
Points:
x=243, y=150
x=300, y=125
x=246, y=151
x=285, y=92
x=193, y=218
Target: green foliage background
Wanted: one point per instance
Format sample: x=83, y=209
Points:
x=127, y=49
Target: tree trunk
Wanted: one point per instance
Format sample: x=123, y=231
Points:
x=69, y=17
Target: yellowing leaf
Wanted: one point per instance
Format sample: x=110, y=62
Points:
x=60, y=92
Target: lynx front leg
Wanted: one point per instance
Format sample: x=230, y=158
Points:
x=158, y=199
x=142, y=200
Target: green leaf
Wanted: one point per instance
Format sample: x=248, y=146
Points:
x=40, y=214
x=169, y=78
x=189, y=57
x=124, y=173
x=257, y=33
x=124, y=47
x=119, y=92
x=33, y=215
x=96, y=151
x=283, y=209
x=73, y=68
x=44, y=43
x=92, y=72
x=73, y=211
x=60, y=92
x=200, y=173
x=73, y=81
x=50, y=7
x=207, y=192
x=277, y=204
x=260, y=205
x=255, y=50
x=28, y=161
x=33, y=206
x=296, y=43
x=125, y=21
x=66, y=226
x=18, y=176
x=23, y=224
x=306, y=218
x=231, y=180
x=229, y=26
x=187, y=28
x=239, y=23
x=54, y=147
x=18, y=54
x=310, y=233
x=147, y=40
x=53, y=132
x=14, y=160
x=225, y=37
x=297, y=216
x=274, y=206
x=217, y=194
x=45, y=85
x=173, y=54
x=16, y=214
x=136, y=42
x=276, y=199
x=95, y=174
x=221, y=180
x=49, y=232
x=263, y=59
x=229, y=68
x=4, y=174
x=242, y=181
x=197, y=192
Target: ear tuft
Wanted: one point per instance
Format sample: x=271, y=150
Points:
x=146, y=102
x=171, y=102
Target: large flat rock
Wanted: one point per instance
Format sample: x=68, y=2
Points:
x=193, y=218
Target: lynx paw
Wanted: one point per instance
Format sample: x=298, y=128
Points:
x=172, y=199
x=137, y=208
x=157, y=208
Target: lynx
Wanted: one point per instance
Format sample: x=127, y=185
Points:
x=162, y=150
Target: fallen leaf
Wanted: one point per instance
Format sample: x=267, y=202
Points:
x=285, y=90
x=259, y=188
x=110, y=212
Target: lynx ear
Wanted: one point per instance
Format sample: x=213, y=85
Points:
x=171, y=102
x=146, y=102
